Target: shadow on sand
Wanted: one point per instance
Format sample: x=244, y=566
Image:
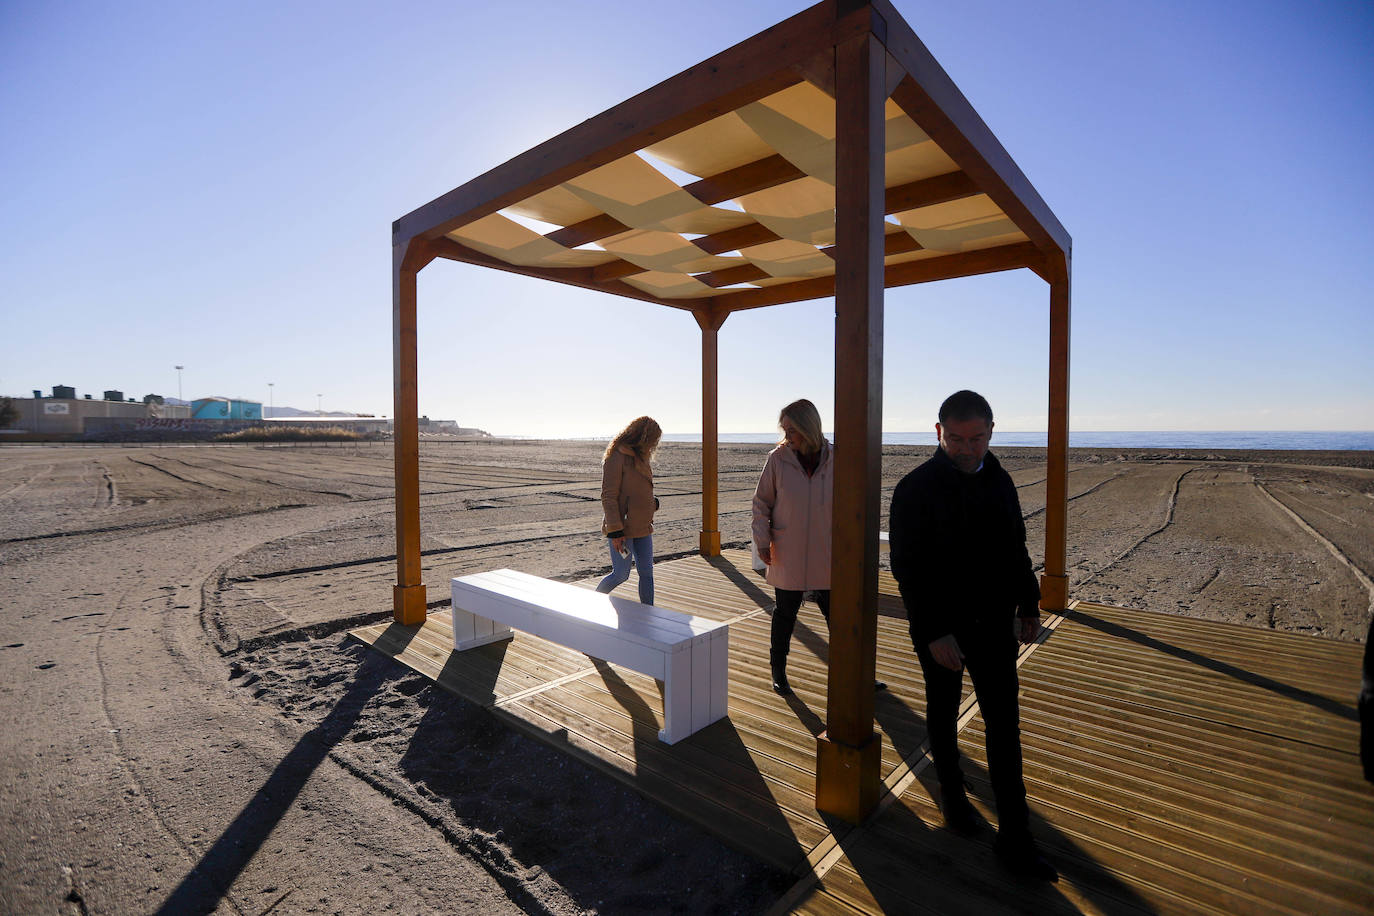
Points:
x=209, y=881
x=546, y=811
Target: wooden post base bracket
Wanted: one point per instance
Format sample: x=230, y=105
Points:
x=1054, y=593
x=848, y=779
x=408, y=604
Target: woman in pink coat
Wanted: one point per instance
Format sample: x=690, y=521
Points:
x=792, y=511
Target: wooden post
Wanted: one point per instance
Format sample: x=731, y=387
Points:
x=1054, y=583
x=710, y=322
x=848, y=751
x=408, y=596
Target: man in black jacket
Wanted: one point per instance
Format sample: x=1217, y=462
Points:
x=959, y=555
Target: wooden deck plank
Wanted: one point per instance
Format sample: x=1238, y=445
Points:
x=1095, y=715
x=1191, y=802
x=1212, y=863
x=1091, y=879
x=1174, y=765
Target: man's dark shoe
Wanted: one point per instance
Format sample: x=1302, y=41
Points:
x=1021, y=856
x=780, y=685
x=960, y=816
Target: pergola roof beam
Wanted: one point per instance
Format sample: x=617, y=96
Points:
x=746, y=179
x=735, y=239
x=584, y=277
x=589, y=230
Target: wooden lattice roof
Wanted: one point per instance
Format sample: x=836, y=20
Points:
x=744, y=214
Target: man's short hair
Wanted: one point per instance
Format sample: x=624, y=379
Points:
x=965, y=405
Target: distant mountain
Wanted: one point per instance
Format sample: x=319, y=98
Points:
x=272, y=412
x=268, y=412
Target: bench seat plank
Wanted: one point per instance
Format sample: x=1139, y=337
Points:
x=689, y=654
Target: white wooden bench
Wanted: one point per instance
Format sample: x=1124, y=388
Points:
x=688, y=654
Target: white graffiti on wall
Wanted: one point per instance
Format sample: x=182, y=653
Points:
x=177, y=423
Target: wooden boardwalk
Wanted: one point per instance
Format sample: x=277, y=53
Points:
x=1174, y=765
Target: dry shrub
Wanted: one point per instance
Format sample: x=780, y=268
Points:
x=292, y=434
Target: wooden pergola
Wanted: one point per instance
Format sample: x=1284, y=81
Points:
x=852, y=163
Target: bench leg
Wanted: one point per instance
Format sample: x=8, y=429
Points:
x=677, y=698
x=472, y=630
x=695, y=687
x=719, y=691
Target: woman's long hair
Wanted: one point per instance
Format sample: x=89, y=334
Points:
x=807, y=420
x=640, y=436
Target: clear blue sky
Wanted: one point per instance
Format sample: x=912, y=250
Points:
x=214, y=186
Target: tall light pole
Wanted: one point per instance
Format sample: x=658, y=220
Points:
x=319, y=409
x=179, y=368
x=270, y=402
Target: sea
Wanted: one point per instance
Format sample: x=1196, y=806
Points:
x=1173, y=439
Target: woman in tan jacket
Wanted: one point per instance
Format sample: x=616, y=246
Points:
x=792, y=512
x=628, y=505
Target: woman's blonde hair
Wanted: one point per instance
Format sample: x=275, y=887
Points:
x=807, y=419
x=640, y=436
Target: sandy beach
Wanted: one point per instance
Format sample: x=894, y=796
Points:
x=187, y=727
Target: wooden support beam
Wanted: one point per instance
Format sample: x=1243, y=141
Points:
x=1054, y=583
x=733, y=239
x=964, y=264
x=408, y=596
x=614, y=270
x=893, y=243
x=710, y=321
x=746, y=179
x=847, y=752
x=584, y=277
x=945, y=267
x=589, y=230
x=732, y=275
x=928, y=192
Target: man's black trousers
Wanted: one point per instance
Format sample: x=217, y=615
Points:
x=991, y=662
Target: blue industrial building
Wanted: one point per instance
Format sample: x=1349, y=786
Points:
x=225, y=409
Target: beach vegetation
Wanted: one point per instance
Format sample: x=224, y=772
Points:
x=293, y=434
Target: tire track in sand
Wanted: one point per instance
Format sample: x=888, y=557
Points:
x=1168, y=520
x=1321, y=539
x=127, y=761
x=174, y=476
x=19, y=487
